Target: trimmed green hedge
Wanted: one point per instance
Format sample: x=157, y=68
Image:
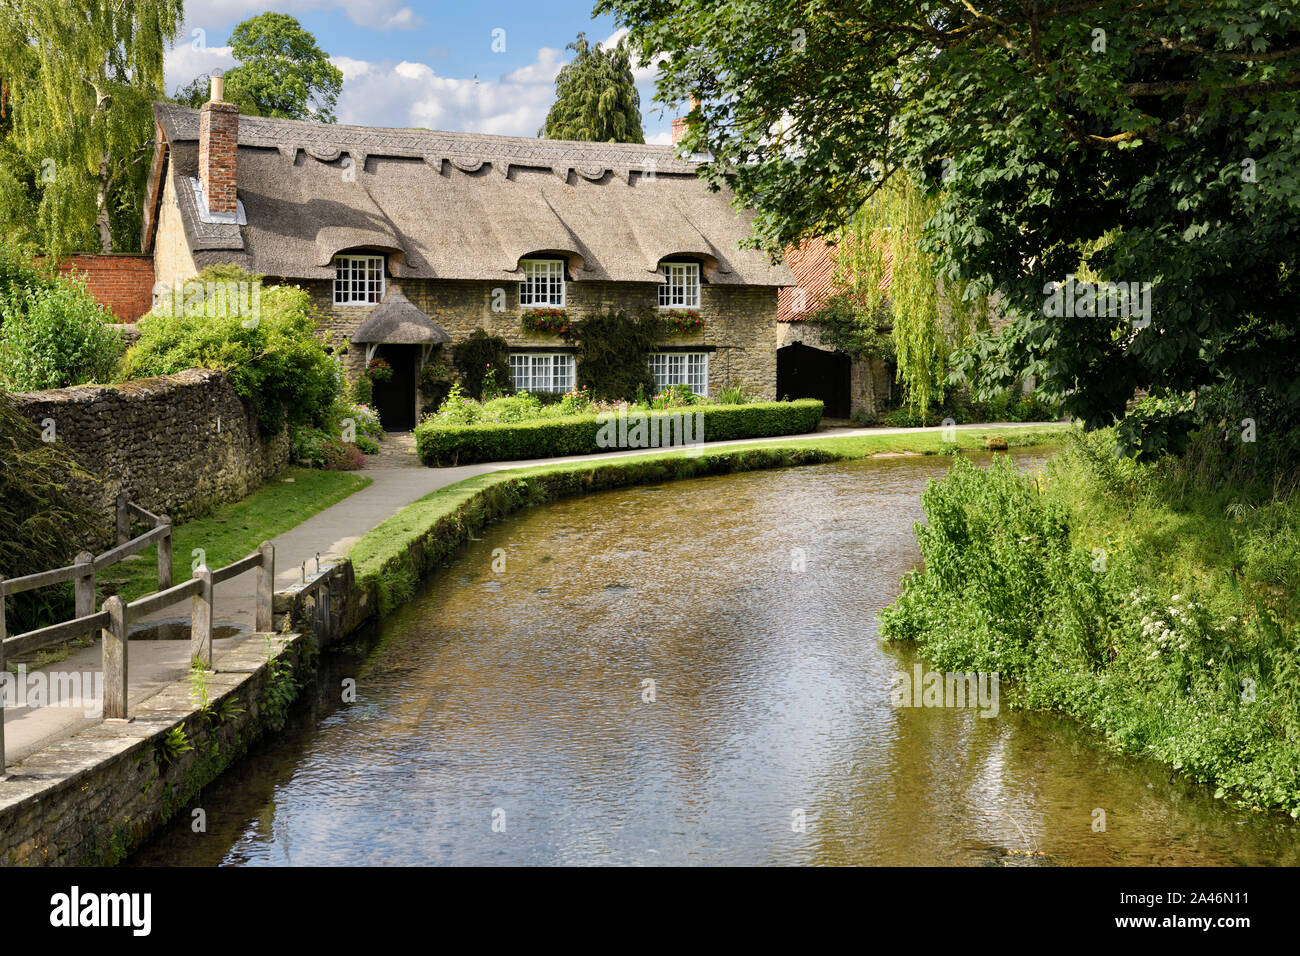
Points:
x=442, y=445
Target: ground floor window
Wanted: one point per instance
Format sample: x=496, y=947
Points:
x=533, y=372
x=681, y=368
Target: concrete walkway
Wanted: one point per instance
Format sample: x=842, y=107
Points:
x=398, y=479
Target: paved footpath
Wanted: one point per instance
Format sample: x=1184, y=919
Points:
x=398, y=479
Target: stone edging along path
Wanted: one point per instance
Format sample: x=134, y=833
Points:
x=95, y=796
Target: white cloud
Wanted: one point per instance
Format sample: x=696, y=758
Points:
x=349, y=67
x=413, y=94
x=183, y=63
x=403, y=19
x=544, y=70
x=664, y=138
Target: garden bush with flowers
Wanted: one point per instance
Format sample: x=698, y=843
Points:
x=1160, y=612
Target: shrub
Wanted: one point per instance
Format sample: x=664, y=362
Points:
x=436, y=380
x=481, y=358
x=18, y=275
x=614, y=354
x=342, y=456
x=307, y=445
x=43, y=522
x=53, y=336
x=276, y=362
x=441, y=444
x=367, y=445
x=365, y=419
x=678, y=396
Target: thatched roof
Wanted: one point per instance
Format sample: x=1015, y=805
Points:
x=459, y=205
x=397, y=321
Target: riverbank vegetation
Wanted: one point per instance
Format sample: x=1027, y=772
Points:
x=1152, y=602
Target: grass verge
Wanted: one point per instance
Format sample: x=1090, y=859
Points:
x=233, y=530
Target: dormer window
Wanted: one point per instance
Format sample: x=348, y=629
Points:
x=681, y=288
x=358, y=280
x=543, y=283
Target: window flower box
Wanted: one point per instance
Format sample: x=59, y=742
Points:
x=682, y=321
x=550, y=321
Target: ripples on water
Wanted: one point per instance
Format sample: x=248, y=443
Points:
x=520, y=692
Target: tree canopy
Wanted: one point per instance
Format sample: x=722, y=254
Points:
x=280, y=72
x=80, y=79
x=595, y=97
x=1124, y=141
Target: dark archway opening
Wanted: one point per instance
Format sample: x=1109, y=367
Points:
x=805, y=372
x=394, y=399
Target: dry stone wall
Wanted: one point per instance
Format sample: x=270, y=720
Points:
x=176, y=444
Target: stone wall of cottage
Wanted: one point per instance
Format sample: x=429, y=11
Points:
x=177, y=444
x=739, y=321
x=173, y=263
x=870, y=382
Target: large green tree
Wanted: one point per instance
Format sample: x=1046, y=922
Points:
x=81, y=75
x=1125, y=140
x=595, y=97
x=281, y=72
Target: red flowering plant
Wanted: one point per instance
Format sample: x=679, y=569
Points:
x=379, y=370
x=554, y=321
x=682, y=320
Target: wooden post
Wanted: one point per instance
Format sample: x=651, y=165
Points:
x=115, y=670
x=84, y=586
x=3, y=634
x=165, y=554
x=123, y=520
x=265, y=588
x=201, y=620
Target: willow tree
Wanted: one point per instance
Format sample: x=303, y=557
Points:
x=595, y=97
x=884, y=267
x=81, y=75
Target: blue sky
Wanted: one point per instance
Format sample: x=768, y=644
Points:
x=415, y=62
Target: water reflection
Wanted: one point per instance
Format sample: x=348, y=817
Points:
x=519, y=697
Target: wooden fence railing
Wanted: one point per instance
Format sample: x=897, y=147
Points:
x=115, y=617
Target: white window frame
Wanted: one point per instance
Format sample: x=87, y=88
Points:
x=543, y=371
x=681, y=368
x=681, y=287
x=543, y=278
x=359, y=280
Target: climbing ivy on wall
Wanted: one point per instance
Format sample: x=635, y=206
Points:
x=883, y=266
x=481, y=360
x=613, y=354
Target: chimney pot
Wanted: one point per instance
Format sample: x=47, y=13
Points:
x=219, y=151
x=218, y=88
x=681, y=124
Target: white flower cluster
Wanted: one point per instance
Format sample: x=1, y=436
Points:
x=1169, y=636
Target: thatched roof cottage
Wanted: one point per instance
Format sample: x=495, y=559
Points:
x=410, y=239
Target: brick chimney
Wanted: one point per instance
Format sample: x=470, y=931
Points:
x=219, y=150
x=681, y=124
